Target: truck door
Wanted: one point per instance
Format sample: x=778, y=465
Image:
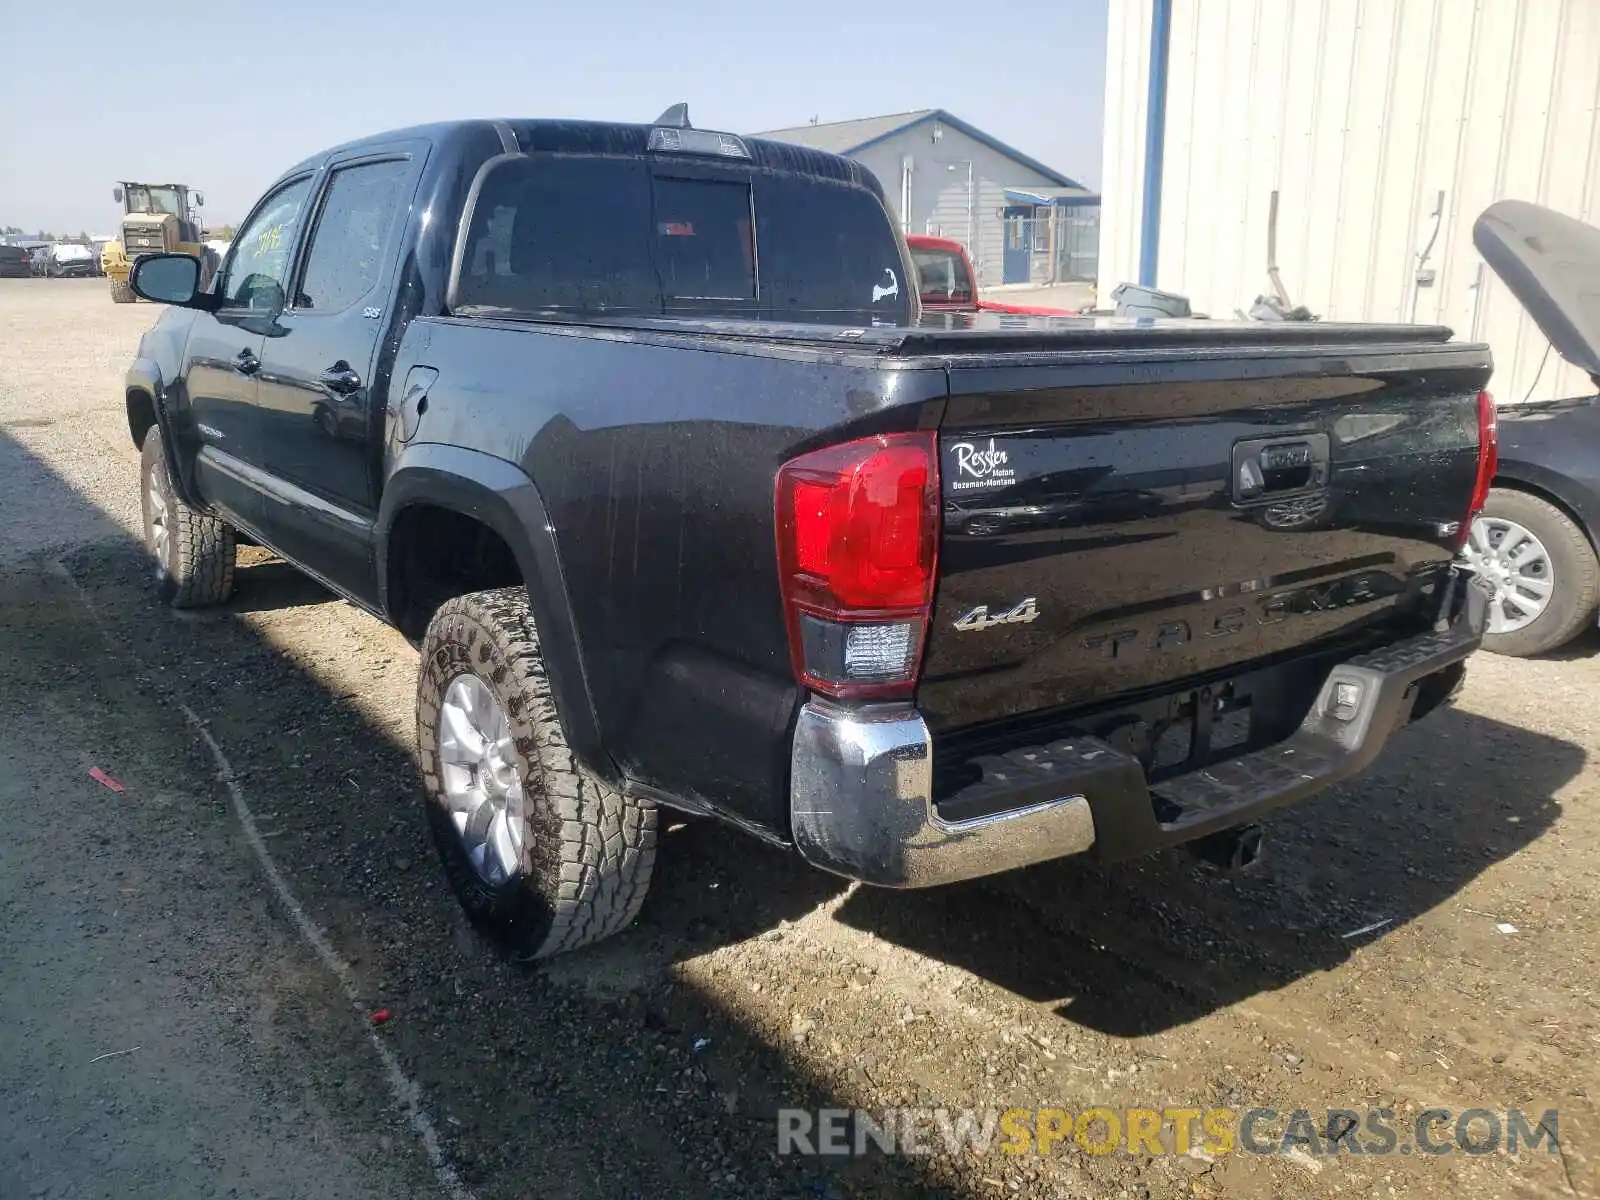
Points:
x=225, y=348
x=321, y=400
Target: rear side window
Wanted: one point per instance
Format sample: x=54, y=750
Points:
x=561, y=233
x=347, y=246
x=599, y=235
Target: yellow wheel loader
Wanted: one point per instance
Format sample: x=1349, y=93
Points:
x=158, y=218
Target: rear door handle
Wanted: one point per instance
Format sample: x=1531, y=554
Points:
x=340, y=378
x=246, y=363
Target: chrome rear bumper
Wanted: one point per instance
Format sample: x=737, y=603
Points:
x=861, y=803
x=861, y=792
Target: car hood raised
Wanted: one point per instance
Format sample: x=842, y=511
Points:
x=1551, y=263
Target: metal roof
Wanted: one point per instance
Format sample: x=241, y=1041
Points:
x=848, y=137
x=841, y=137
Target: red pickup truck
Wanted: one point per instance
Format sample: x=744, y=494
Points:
x=945, y=279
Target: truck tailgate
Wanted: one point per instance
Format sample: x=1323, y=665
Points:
x=1121, y=525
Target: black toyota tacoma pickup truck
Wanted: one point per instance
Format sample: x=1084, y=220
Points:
x=638, y=433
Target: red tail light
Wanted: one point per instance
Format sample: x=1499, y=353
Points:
x=1488, y=459
x=858, y=541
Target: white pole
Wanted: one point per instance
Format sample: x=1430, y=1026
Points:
x=905, y=194
x=972, y=237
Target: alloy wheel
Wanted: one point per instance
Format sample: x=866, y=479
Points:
x=160, y=519
x=481, y=784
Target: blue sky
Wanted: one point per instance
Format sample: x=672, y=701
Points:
x=246, y=90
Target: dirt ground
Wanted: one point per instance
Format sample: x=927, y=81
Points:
x=188, y=968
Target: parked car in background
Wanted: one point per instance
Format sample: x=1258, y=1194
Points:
x=947, y=283
x=70, y=260
x=1535, y=540
x=15, y=263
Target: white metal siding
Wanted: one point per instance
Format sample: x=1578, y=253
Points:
x=1360, y=112
x=939, y=188
x=1122, y=150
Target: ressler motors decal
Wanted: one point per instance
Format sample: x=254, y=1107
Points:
x=980, y=467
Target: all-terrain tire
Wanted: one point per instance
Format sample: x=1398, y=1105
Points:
x=1577, y=575
x=195, y=560
x=588, y=850
x=122, y=292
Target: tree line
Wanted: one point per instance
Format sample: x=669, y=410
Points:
x=44, y=235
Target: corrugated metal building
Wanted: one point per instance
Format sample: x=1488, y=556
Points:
x=1360, y=113
x=1020, y=220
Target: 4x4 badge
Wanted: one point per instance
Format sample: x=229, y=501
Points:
x=979, y=618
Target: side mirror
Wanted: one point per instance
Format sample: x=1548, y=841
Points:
x=116, y=194
x=199, y=199
x=169, y=279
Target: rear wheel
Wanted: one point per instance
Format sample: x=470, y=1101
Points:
x=194, y=551
x=122, y=292
x=538, y=851
x=1544, y=572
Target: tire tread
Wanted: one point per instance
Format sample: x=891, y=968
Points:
x=607, y=839
x=204, y=547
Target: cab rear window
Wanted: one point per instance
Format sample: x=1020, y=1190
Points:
x=704, y=239
x=942, y=276
x=599, y=235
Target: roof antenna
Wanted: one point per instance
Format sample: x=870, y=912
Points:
x=676, y=117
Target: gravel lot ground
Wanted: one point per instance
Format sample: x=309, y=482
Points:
x=654, y=1065
x=1070, y=296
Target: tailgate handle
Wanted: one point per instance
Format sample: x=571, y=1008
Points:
x=1272, y=468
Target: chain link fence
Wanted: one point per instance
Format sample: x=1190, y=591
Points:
x=1063, y=244
x=1060, y=244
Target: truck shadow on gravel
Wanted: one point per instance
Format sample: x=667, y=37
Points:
x=618, y=1071
x=1132, y=949
x=1136, y=948
x=272, y=585
x=600, y=1074
x=1585, y=646
x=604, y=1074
